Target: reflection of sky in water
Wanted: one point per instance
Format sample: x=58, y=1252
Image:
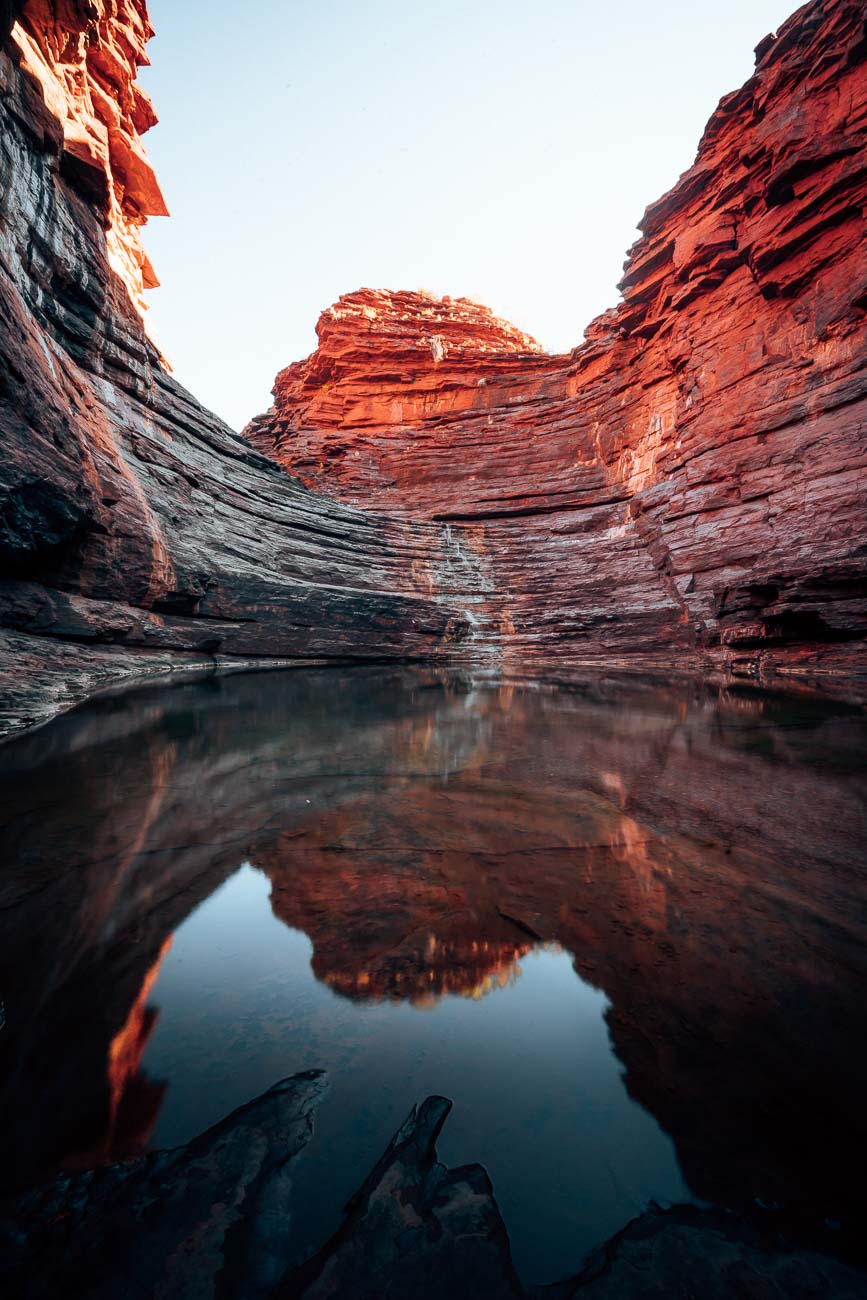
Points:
x=539, y=1098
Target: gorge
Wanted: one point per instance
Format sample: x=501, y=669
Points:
x=559, y=808
x=686, y=487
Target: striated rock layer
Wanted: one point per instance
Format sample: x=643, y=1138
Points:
x=84, y=58
x=694, y=475
x=687, y=486
x=138, y=533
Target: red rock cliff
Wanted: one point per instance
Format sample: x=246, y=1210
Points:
x=139, y=534
x=85, y=58
x=694, y=474
x=688, y=486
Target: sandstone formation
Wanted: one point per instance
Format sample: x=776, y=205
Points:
x=694, y=475
x=387, y=360
x=687, y=487
x=138, y=534
x=84, y=58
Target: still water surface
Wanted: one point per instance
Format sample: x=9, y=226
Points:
x=621, y=927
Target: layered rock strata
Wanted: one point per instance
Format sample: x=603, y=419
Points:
x=84, y=58
x=687, y=486
x=694, y=475
x=137, y=532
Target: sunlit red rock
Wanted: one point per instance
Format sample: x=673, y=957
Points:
x=387, y=361
x=687, y=487
x=85, y=57
x=693, y=477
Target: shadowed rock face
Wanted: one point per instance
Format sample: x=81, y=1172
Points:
x=415, y=1228
x=694, y=474
x=199, y=1221
x=211, y=1219
x=137, y=532
x=418, y=1229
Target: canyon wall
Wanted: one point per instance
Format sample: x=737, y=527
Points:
x=693, y=477
x=686, y=487
x=138, y=533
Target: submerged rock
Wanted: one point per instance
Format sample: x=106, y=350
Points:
x=211, y=1220
x=414, y=1228
x=202, y=1220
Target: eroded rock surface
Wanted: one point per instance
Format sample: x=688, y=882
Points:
x=694, y=475
x=211, y=1218
x=193, y=1222
x=84, y=58
x=137, y=531
x=415, y=1228
x=687, y=486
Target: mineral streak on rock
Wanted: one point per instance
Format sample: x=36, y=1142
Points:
x=694, y=475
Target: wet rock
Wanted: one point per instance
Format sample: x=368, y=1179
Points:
x=683, y=1252
x=210, y=1219
x=417, y=1229
x=414, y=1229
x=202, y=1220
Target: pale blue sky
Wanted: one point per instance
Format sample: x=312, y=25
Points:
x=490, y=148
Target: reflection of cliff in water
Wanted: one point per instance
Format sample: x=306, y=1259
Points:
x=699, y=854
x=119, y=819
